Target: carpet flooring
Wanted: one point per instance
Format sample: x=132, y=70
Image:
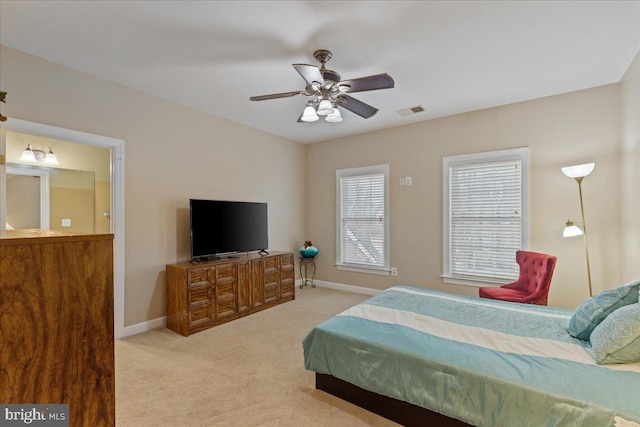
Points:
x=248, y=372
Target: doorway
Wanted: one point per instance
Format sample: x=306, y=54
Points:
x=116, y=211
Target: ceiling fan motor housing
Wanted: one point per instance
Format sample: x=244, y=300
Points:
x=330, y=77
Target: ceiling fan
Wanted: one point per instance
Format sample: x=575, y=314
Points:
x=327, y=91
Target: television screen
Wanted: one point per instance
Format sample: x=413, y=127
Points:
x=221, y=227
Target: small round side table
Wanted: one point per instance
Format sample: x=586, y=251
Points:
x=307, y=269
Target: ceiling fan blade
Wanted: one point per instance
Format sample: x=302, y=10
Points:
x=379, y=81
x=310, y=73
x=276, y=95
x=355, y=106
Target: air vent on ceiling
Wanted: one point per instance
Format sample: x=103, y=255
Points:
x=411, y=110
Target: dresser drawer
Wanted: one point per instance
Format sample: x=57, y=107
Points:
x=226, y=271
x=286, y=260
x=226, y=287
x=270, y=277
x=270, y=293
x=271, y=263
x=199, y=294
x=198, y=275
x=287, y=287
x=200, y=314
x=287, y=273
x=226, y=306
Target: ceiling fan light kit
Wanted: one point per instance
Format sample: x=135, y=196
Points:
x=309, y=114
x=325, y=108
x=327, y=91
x=334, y=117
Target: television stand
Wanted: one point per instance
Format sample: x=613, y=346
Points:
x=203, y=295
x=263, y=252
x=200, y=259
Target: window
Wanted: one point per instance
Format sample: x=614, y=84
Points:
x=363, y=219
x=485, y=215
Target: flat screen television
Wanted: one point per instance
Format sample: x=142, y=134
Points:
x=221, y=227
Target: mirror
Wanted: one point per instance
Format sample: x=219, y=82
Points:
x=51, y=198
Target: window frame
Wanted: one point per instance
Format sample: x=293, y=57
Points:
x=523, y=154
x=362, y=268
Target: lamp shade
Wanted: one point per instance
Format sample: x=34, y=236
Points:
x=334, y=117
x=50, y=158
x=27, y=155
x=578, y=171
x=572, y=230
x=325, y=108
x=309, y=114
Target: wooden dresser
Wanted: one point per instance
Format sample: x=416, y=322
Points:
x=206, y=294
x=56, y=322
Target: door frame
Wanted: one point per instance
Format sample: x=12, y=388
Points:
x=116, y=146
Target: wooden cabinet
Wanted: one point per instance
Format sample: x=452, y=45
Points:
x=206, y=294
x=56, y=323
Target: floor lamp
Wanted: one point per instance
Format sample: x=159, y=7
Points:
x=578, y=173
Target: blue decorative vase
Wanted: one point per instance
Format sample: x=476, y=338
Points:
x=308, y=252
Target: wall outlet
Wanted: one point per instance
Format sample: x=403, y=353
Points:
x=66, y=222
x=401, y=181
x=394, y=271
x=407, y=181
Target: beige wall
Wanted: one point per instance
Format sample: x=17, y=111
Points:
x=172, y=153
x=72, y=197
x=561, y=130
x=630, y=171
x=75, y=204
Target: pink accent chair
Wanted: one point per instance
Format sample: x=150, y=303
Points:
x=532, y=286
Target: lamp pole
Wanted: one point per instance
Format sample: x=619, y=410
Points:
x=584, y=227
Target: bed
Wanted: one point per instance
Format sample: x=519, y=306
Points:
x=469, y=361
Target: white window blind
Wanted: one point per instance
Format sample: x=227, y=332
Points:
x=362, y=217
x=486, y=220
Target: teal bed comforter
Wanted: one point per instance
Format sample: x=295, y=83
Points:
x=485, y=362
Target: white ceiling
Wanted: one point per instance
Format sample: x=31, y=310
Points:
x=449, y=57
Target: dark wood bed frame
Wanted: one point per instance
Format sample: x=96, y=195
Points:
x=404, y=413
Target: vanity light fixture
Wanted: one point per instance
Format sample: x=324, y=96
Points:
x=32, y=155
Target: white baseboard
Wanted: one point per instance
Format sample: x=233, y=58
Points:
x=343, y=287
x=161, y=322
x=138, y=328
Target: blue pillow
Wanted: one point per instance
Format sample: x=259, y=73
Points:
x=617, y=338
x=594, y=310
